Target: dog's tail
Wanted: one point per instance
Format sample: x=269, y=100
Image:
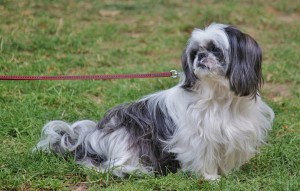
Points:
x=61, y=137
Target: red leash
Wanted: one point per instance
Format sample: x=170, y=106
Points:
x=172, y=73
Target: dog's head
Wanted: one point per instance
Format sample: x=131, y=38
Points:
x=223, y=52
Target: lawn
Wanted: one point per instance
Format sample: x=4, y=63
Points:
x=55, y=37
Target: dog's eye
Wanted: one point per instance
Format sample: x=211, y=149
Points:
x=212, y=48
x=215, y=50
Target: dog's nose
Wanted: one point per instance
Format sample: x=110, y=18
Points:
x=201, y=55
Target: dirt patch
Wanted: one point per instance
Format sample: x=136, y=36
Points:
x=81, y=187
x=289, y=18
x=283, y=17
x=277, y=92
x=96, y=99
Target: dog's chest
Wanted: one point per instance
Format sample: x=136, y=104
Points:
x=209, y=116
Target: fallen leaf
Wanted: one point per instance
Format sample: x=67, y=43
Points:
x=109, y=13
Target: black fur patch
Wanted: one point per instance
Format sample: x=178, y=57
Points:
x=187, y=61
x=147, y=126
x=244, y=69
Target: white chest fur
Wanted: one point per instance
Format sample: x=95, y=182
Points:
x=217, y=134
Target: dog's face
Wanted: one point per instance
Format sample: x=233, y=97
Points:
x=223, y=52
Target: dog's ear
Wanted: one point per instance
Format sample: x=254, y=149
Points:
x=244, y=68
x=187, y=59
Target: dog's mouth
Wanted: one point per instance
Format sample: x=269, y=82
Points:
x=202, y=66
x=208, y=66
x=202, y=61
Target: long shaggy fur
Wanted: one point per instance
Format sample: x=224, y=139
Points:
x=213, y=121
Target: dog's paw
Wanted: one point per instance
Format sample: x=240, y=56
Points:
x=212, y=177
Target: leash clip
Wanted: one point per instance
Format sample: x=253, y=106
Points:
x=174, y=74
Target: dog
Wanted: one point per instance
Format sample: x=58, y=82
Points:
x=210, y=123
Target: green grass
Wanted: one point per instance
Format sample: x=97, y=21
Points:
x=89, y=37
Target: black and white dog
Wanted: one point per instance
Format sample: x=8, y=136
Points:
x=213, y=121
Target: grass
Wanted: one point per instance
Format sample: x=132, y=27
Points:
x=77, y=38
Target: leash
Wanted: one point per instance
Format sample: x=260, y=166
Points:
x=172, y=74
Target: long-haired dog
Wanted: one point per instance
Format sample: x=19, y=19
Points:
x=213, y=121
